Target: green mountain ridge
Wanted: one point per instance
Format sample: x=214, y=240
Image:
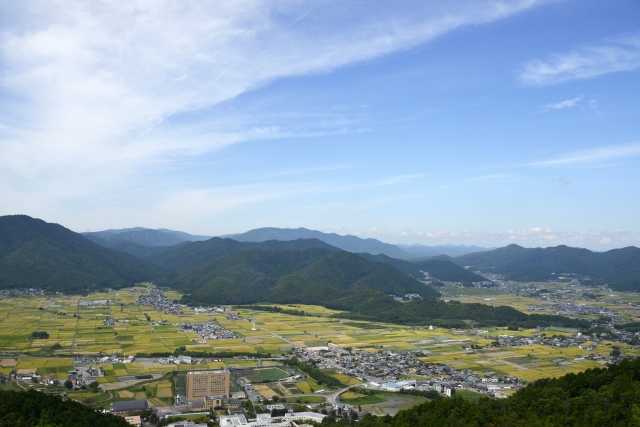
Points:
x=620, y=268
x=444, y=270
x=312, y=276
x=189, y=255
x=142, y=236
x=34, y=253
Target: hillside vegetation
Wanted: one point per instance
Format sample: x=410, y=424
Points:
x=620, y=268
x=444, y=270
x=312, y=276
x=34, y=253
x=35, y=409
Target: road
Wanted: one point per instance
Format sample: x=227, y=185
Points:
x=276, y=335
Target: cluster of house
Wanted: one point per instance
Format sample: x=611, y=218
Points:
x=211, y=310
x=93, y=303
x=116, y=359
x=572, y=309
x=376, y=367
x=28, y=291
x=406, y=297
x=359, y=363
x=208, y=331
x=266, y=420
x=159, y=301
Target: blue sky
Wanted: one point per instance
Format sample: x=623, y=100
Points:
x=464, y=122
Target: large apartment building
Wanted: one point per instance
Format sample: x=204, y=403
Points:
x=207, y=383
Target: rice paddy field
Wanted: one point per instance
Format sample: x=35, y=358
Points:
x=79, y=330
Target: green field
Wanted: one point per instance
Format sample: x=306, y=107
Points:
x=361, y=399
x=469, y=395
x=264, y=375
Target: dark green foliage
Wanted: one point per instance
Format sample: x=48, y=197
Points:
x=594, y=398
x=144, y=377
x=340, y=281
x=448, y=271
x=34, y=253
x=190, y=255
x=40, y=335
x=315, y=373
x=439, y=269
x=312, y=276
x=32, y=408
x=273, y=309
x=620, y=268
x=439, y=313
x=629, y=327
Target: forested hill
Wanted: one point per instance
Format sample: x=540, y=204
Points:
x=35, y=409
x=34, y=253
x=312, y=276
x=620, y=268
x=439, y=269
x=601, y=397
x=190, y=255
x=340, y=281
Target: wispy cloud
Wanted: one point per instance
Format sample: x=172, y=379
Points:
x=99, y=95
x=593, y=156
x=619, y=53
x=569, y=103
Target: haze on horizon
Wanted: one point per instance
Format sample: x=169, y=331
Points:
x=482, y=122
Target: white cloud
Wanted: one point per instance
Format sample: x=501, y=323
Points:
x=592, y=156
x=99, y=94
x=569, y=103
x=532, y=237
x=620, y=53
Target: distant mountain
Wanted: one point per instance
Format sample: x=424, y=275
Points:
x=142, y=236
x=348, y=243
x=312, y=276
x=190, y=255
x=418, y=250
x=34, y=253
x=443, y=270
x=620, y=268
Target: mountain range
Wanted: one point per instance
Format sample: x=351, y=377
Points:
x=224, y=271
x=421, y=251
x=141, y=236
x=346, y=243
x=619, y=268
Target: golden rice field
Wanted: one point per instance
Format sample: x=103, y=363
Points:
x=80, y=330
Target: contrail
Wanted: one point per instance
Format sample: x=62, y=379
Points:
x=187, y=100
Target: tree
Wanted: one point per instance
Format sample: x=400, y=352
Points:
x=68, y=384
x=94, y=386
x=34, y=379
